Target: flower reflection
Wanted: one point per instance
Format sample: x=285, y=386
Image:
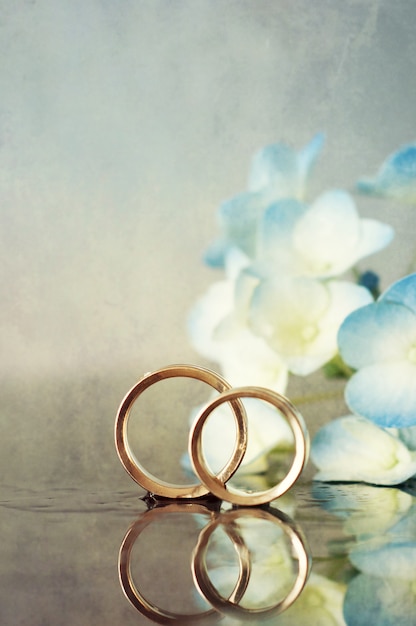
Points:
x=319, y=604
x=381, y=525
x=381, y=601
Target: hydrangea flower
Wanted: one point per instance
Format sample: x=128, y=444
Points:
x=299, y=317
x=379, y=340
x=259, y=329
x=277, y=172
x=323, y=239
x=396, y=177
x=352, y=448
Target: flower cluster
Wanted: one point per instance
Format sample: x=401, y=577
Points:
x=271, y=578
x=379, y=342
x=289, y=302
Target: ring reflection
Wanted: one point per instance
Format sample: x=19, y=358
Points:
x=226, y=562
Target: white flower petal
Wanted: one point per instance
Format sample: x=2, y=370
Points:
x=344, y=298
x=248, y=360
x=328, y=234
x=375, y=236
x=353, y=449
x=328, y=237
x=206, y=315
x=286, y=312
x=300, y=318
x=235, y=262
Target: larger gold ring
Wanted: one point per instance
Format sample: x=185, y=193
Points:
x=214, y=483
x=134, y=467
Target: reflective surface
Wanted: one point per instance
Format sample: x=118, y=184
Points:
x=60, y=550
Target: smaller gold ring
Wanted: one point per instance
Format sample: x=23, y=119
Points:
x=214, y=483
x=133, y=467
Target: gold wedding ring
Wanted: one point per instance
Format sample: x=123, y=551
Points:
x=147, y=480
x=214, y=483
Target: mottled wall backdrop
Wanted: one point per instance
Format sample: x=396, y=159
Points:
x=122, y=127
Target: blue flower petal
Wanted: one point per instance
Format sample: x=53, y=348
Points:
x=282, y=171
x=275, y=231
x=384, y=394
x=402, y=164
x=396, y=177
x=275, y=165
x=402, y=292
x=378, y=332
x=216, y=253
x=238, y=219
x=309, y=154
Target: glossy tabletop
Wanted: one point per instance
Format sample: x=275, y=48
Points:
x=61, y=548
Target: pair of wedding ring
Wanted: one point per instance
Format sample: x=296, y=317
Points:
x=214, y=483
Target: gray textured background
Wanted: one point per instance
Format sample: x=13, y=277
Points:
x=122, y=127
